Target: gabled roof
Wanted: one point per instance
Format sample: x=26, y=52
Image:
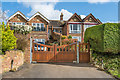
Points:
x=99, y=21
x=18, y=12
x=90, y=15
x=38, y=13
x=76, y=16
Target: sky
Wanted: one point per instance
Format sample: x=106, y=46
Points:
x=105, y=10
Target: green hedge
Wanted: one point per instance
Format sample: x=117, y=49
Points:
x=104, y=37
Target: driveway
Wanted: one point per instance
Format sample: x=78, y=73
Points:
x=63, y=70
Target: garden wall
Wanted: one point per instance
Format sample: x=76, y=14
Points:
x=18, y=60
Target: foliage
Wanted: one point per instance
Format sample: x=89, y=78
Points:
x=8, y=38
x=64, y=37
x=24, y=29
x=69, y=37
x=67, y=41
x=0, y=38
x=22, y=41
x=110, y=62
x=104, y=37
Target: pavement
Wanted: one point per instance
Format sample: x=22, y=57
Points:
x=57, y=70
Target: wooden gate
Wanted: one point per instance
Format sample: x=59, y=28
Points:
x=84, y=52
x=64, y=53
x=45, y=53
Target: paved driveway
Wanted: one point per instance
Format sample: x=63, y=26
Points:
x=65, y=70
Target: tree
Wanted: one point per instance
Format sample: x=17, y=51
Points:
x=8, y=38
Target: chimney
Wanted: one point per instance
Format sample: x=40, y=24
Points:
x=61, y=17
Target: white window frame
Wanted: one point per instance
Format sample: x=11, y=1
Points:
x=87, y=26
x=39, y=25
x=18, y=23
x=78, y=28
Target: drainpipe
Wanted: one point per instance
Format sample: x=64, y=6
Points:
x=77, y=51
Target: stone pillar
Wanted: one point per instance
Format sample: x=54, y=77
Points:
x=27, y=50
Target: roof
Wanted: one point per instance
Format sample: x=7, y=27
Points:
x=74, y=16
x=99, y=21
x=38, y=13
x=56, y=23
x=18, y=12
x=90, y=15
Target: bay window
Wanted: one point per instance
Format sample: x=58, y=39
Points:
x=74, y=28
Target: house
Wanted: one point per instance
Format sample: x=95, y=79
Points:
x=74, y=26
x=40, y=31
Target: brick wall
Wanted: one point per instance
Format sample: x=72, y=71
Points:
x=16, y=55
x=0, y=68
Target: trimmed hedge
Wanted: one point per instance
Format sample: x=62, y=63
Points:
x=104, y=37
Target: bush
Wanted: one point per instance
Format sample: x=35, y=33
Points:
x=8, y=38
x=103, y=38
x=22, y=41
x=23, y=29
x=110, y=62
x=63, y=37
x=69, y=37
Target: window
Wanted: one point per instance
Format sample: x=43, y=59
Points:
x=18, y=23
x=87, y=26
x=34, y=24
x=75, y=28
x=38, y=27
x=14, y=23
x=76, y=37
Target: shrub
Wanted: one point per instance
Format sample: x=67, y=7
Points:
x=63, y=37
x=110, y=62
x=22, y=41
x=24, y=29
x=8, y=38
x=69, y=37
x=104, y=37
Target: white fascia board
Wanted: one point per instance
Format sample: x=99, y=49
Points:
x=16, y=14
x=39, y=15
x=74, y=22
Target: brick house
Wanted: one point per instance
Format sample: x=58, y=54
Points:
x=74, y=26
x=40, y=31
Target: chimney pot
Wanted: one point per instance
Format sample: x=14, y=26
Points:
x=61, y=17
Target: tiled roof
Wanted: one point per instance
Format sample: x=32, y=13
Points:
x=56, y=23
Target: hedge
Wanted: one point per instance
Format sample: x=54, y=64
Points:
x=104, y=37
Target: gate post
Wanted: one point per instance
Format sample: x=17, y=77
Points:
x=30, y=50
x=77, y=52
x=55, y=51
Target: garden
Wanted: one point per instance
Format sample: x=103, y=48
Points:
x=104, y=42
x=15, y=39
